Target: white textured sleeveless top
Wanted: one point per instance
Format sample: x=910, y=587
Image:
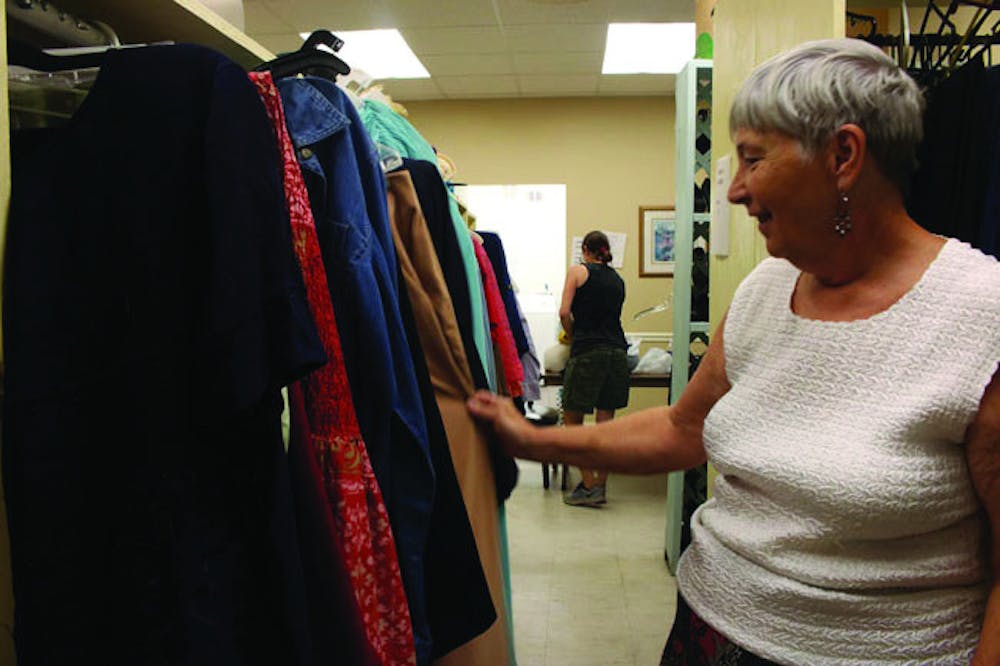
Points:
x=844, y=528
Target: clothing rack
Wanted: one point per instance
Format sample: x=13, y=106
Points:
x=931, y=54
x=854, y=18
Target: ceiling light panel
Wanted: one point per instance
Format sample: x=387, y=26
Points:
x=648, y=48
x=383, y=54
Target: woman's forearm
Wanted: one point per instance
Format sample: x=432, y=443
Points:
x=567, y=323
x=645, y=442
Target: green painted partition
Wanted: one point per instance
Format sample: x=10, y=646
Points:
x=693, y=167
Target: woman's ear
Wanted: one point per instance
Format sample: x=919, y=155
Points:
x=849, y=150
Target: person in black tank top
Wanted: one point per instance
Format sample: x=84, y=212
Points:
x=597, y=375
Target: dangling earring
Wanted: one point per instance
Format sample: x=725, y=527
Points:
x=842, y=218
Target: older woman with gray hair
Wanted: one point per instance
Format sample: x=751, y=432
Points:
x=850, y=399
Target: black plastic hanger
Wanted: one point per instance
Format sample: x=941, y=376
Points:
x=309, y=58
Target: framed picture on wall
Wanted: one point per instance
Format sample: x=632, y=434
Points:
x=657, y=233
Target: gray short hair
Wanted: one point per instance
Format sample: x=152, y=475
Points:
x=815, y=88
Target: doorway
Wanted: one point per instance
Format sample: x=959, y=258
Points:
x=531, y=222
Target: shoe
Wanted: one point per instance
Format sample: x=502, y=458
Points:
x=582, y=496
x=600, y=497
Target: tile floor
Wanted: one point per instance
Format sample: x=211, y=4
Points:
x=590, y=586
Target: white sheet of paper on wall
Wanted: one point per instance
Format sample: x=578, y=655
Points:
x=617, y=241
x=718, y=235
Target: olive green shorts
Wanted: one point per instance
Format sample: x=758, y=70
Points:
x=596, y=378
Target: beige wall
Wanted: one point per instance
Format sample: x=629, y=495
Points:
x=747, y=32
x=613, y=155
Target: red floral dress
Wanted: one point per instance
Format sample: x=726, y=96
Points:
x=351, y=488
x=500, y=331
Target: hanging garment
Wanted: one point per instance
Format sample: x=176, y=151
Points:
x=459, y=606
x=388, y=128
x=498, y=259
x=153, y=310
x=352, y=491
x=500, y=331
x=531, y=365
x=948, y=191
x=989, y=226
x=340, y=165
x=434, y=201
x=529, y=362
x=490, y=358
x=336, y=628
x=449, y=369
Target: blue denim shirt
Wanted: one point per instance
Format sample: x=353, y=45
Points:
x=347, y=193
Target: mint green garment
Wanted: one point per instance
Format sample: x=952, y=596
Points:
x=390, y=129
x=505, y=564
x=387, y=127
x=489, y=360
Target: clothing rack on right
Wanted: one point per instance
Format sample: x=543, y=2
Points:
x=956, y=189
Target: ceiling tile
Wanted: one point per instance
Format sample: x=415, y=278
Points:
x=555, y=86
x=402, y=90
x=481, y=86
x=561, y=62
x=467, y=64
x=435, y=41
x=513, y=12
x=283, y=43
x=550, y=38
x=523, y=48
x=440, y=13
x=519, y=12
x=306, y=15
x=637, y=84
x=262, y=20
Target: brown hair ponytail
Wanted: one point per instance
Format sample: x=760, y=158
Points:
x=596, y=242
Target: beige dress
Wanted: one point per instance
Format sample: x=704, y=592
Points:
x=452, y=381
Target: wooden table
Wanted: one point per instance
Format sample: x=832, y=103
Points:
x=639, y=380
x=642, y=380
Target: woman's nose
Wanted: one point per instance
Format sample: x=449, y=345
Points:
x=737, y=193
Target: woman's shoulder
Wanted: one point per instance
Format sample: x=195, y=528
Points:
x=578, y=274
x=958, y=297
x=766, y=289
x=768, y=274
x=957, y=251
x=962, y=271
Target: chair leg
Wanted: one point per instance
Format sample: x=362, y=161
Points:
x=565, y=473
x=545, y=475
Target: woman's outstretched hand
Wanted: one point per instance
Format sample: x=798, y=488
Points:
x=508, y=424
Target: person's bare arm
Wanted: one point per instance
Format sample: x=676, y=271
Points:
x=647, y=442
x=575, y=276
x=983, y=454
